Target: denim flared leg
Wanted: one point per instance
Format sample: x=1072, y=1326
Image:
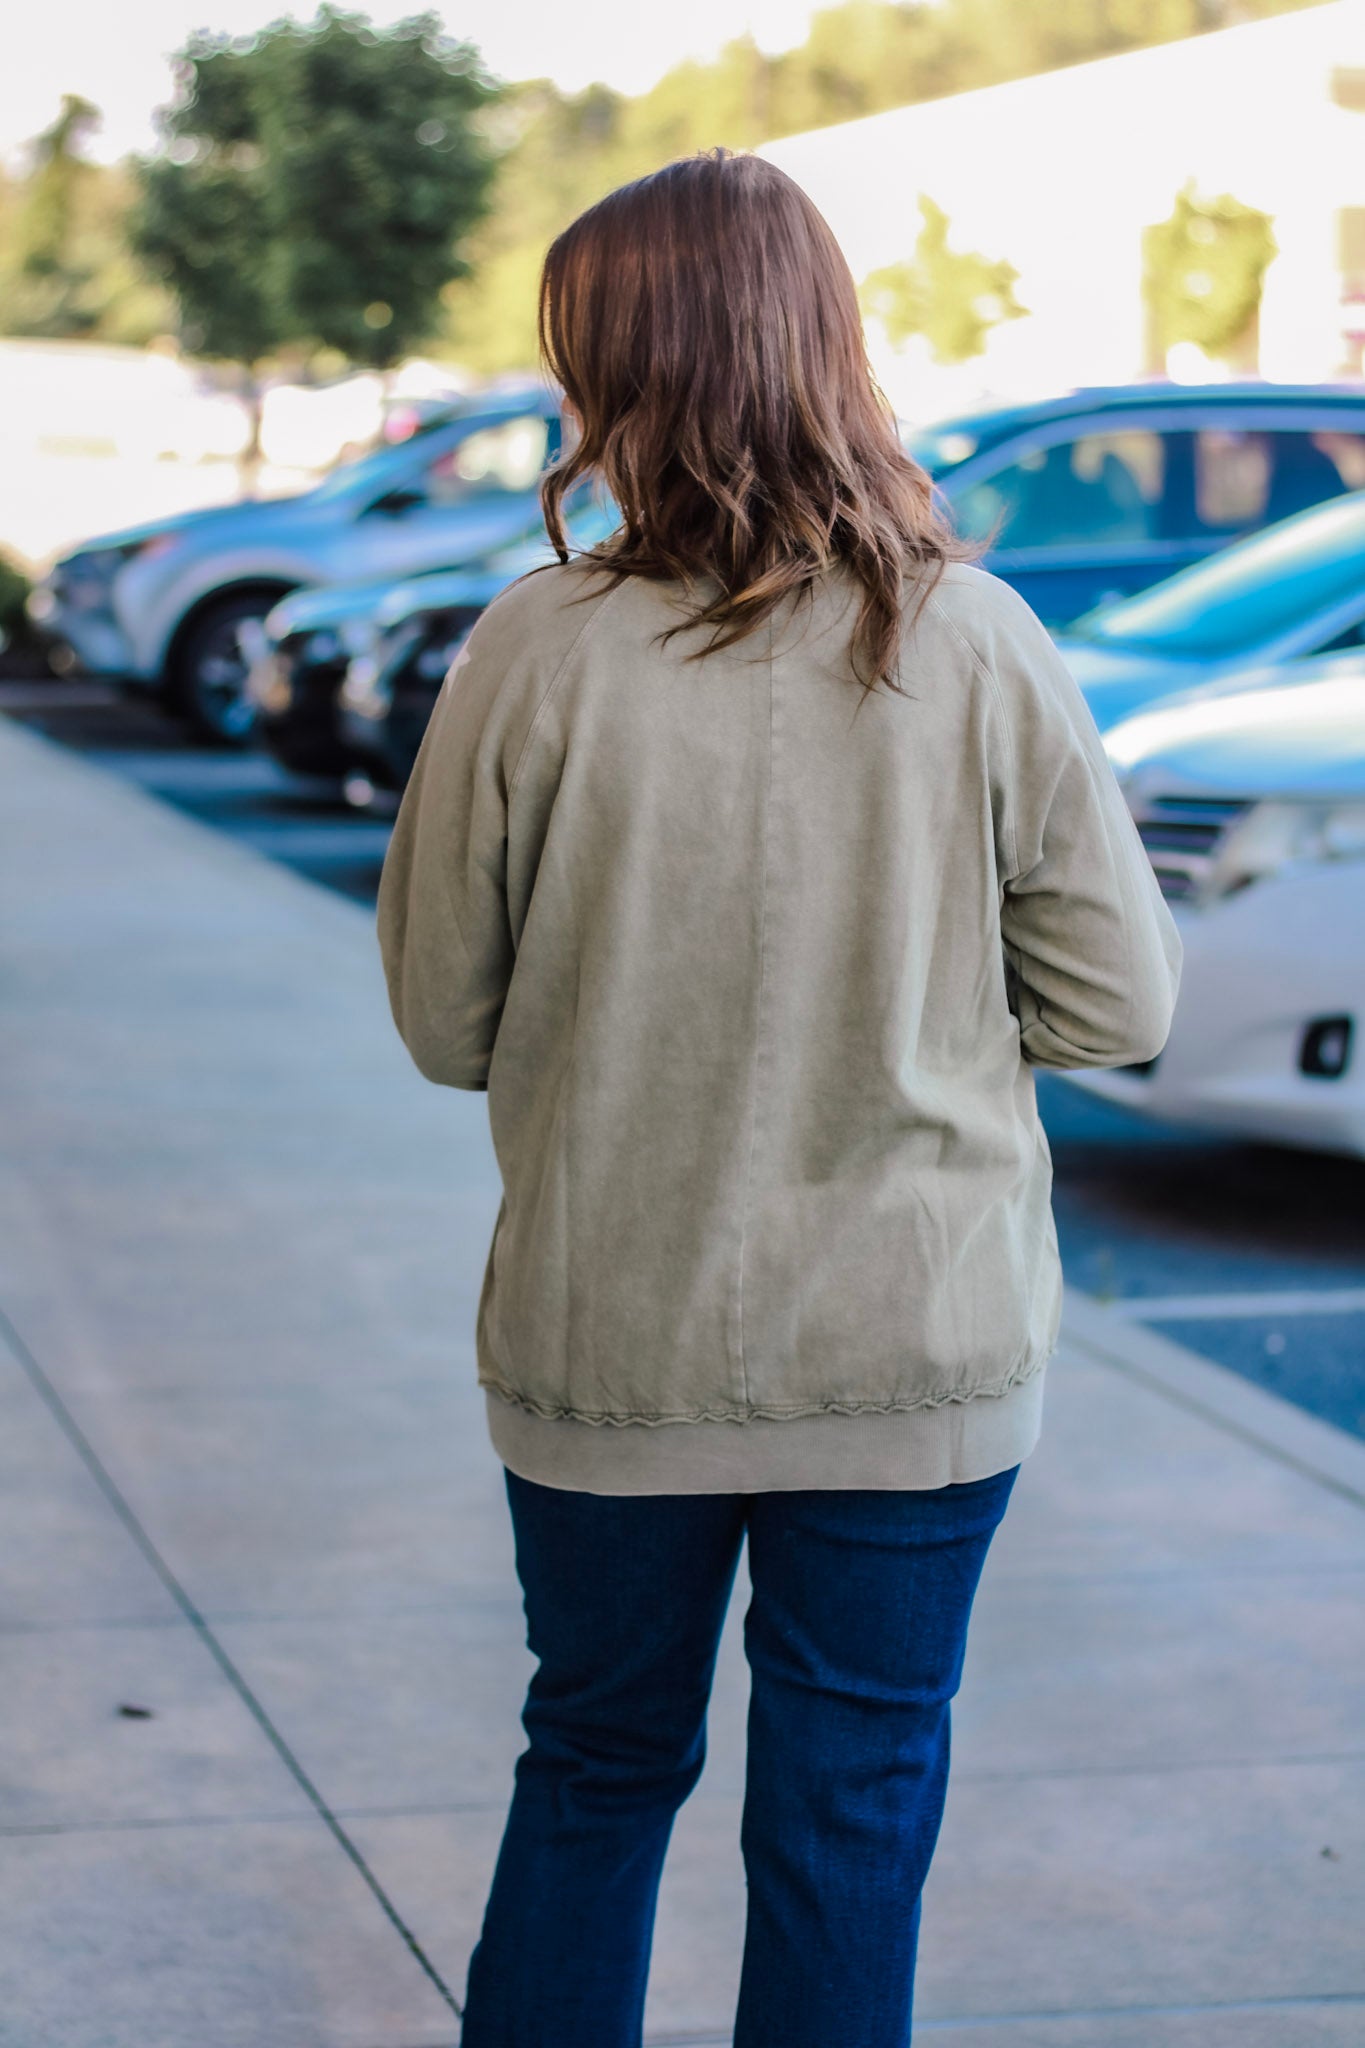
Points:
x=625, y=1598
x=855, y=1637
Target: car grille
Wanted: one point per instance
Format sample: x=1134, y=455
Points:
x=1183, y=835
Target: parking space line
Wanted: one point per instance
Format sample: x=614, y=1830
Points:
x=1217, y=1308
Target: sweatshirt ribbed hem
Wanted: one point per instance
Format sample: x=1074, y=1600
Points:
x=911, y=1450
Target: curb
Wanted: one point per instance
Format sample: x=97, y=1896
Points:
x=1282, y=1431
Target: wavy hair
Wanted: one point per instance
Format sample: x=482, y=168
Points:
x=704, y=327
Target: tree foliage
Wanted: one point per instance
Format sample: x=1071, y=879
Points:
x=1203, y=270
x=315, y=185
x=54, y=188
x=14, y=589
x=564, y=151
x=65, y=269
x=953, y=297
x=294, y=202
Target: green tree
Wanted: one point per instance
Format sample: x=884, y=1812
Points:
x=1203, y=271
x=558, y=153
x=58, y=172
x=49, y=275
x=14, y=589
x=66, y=271
x=953, y=297
x=315, y=185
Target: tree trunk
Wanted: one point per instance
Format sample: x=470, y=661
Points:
x=249, y=461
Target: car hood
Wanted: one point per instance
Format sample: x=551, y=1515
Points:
x=476, y=585
x=1117, y=682
x=451, y=590
x=202, y=521
x=320, y=607
x=1296, y=737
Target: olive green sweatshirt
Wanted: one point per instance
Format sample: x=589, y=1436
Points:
x=756, y=971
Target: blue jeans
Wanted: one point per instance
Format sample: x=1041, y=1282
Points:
x=855, y=1637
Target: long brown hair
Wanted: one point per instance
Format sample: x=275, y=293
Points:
x=704, y=326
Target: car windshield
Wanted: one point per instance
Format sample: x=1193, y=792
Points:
x=359, y=471
x=1244, y=596
x=376, y=469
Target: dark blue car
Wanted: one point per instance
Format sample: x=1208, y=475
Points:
x=1104, y=491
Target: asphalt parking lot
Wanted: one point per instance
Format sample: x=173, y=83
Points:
x=1253, y=1255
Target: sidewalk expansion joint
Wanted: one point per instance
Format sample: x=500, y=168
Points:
x=47, y=1392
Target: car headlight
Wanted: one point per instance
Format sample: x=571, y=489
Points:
x=101, y=565
x=83, y=580
x=97, y=565
x=269, y=685
x=1277, y=834
x=368, y=688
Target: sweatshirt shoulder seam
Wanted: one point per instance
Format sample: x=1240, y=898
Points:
x=998, y=698
x=599, y=606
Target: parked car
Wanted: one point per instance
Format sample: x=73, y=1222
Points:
x=1104, y=491
x=390, y=689
x=301, y=651
x=387, y=696
x=1251, y=804
x=1295, y=589
x=296, y=663
x=164, y=605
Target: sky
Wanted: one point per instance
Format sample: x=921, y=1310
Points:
x=117, y=55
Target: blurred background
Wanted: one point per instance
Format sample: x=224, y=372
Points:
x=271, y=430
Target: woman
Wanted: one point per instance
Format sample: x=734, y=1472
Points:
x=751, y=863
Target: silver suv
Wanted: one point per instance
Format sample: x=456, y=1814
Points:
x=171, y=605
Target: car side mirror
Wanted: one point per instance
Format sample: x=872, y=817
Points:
x=394, y=503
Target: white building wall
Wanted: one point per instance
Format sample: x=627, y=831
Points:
x=1059, y=175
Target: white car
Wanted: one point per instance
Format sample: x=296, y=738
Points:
x=1252, y=807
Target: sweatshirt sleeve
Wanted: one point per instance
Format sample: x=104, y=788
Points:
x=444, y=932
x=1094, y=952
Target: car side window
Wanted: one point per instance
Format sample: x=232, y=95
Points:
x=1104, y=488
x=1245, y=477
x=507, y=457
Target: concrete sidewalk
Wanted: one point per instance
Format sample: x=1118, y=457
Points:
x=246, y=1491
